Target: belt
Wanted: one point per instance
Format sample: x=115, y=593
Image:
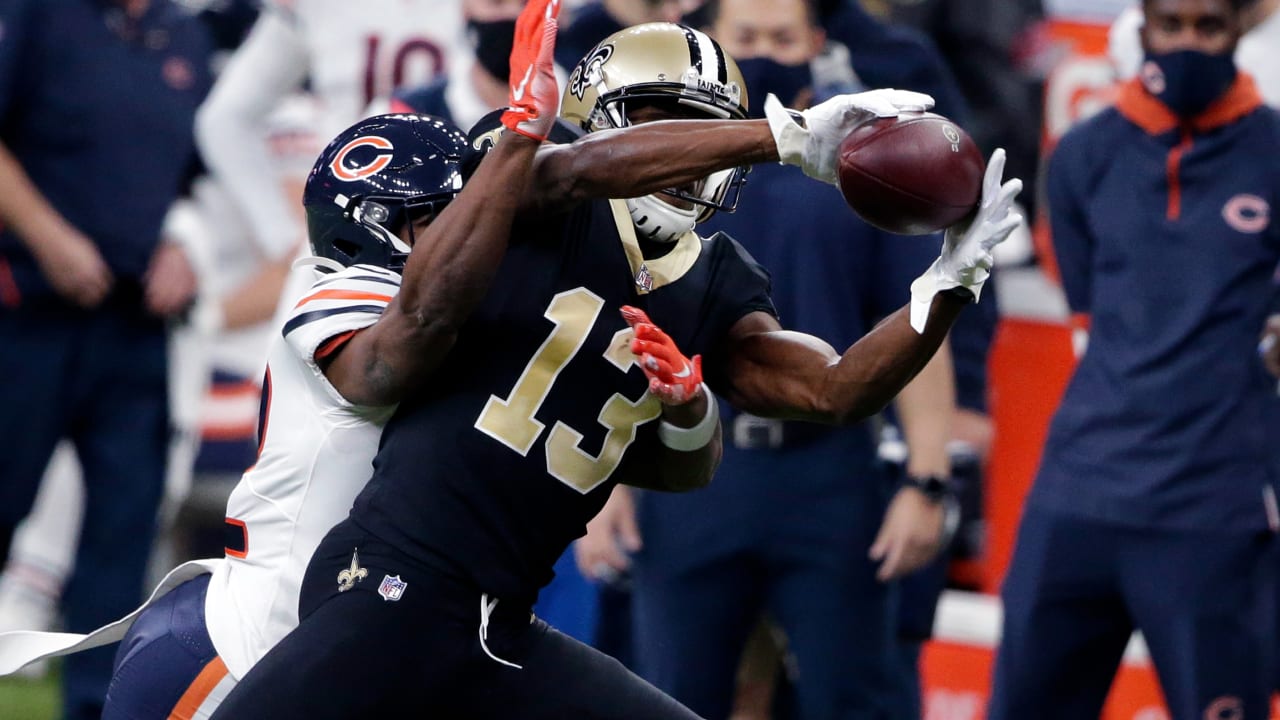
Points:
x=750, y=432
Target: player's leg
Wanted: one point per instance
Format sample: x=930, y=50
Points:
x=560, y=677
x=1206, y=605
x=43, y=551
x=361, y=653
x=840, y=621
x=121, y=433
x=1065, y=623
x=36, y=362
x=166, y=665
x=693, y=605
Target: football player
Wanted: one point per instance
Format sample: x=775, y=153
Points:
x=345, y=54
x=363, y=337
x=419, y=601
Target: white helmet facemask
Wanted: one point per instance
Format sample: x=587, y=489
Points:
x=658, y=220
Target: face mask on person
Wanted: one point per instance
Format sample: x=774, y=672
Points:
x=492, y=43
x=1188, y=81
x=764, y=75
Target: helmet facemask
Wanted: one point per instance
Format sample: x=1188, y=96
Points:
x=683, y=73
x=385, y=217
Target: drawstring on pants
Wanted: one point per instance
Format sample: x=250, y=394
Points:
x=486, y=610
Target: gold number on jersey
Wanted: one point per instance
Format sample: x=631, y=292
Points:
x=511, y=421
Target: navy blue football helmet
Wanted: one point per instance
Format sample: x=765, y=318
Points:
x=375, y=177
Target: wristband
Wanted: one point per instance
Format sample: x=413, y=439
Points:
x=933, y=487
x=696, y=437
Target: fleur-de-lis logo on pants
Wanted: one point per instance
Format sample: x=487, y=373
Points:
x=348, y=578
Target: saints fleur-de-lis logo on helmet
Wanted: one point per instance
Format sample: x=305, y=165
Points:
x=348, y=578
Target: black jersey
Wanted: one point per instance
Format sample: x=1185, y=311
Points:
x=491, y=472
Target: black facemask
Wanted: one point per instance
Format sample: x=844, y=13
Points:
x=492, y=42
x=764, y=75
x=1188, y=81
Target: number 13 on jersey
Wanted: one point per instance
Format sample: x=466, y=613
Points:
x=511, y=420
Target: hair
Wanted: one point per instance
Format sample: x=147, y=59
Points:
x=710, y=12
x=1237, y=6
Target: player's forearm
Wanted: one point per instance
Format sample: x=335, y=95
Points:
x=786, y=375
x=642, y=159
x=876, y=368
x=677, y=471
x=926, y=407
x=452, y=265
x=23, y=207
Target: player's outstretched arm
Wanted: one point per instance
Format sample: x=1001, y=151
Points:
x=456, y=256
x=779, y=373
x=649, y=157
x=776, y=373
x=689, y=428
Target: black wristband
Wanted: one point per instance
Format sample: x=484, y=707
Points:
x=935, y=488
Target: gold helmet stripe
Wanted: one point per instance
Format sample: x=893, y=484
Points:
x=706, y=56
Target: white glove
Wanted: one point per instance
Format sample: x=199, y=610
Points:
x=966, y=247
x=813, y=146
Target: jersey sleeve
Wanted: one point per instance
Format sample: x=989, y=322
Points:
x=1069, y=228
x=742, y=286
x=335, y=308
x=231, y=127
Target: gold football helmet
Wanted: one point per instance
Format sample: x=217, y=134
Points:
x=669, y=65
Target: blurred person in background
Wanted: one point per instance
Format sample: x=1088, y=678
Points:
x=472, y=89
x=203, y=225
x=1257, y=54
x=1155, y=504
x=802, y=524
x=990, y=47
x=859, y=52
x=597, y=19
x=98, y=101
x=347, y=54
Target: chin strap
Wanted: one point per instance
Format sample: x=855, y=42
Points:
x=660, y=221
x=324, y=263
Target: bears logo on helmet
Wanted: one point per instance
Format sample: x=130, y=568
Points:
x=380, y=160
x=377, y=177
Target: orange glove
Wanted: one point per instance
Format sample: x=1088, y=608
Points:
x=534, y=95
x=674, y=378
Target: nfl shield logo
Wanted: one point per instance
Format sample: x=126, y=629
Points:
x=392, y=588
x=644, y=280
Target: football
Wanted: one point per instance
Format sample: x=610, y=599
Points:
x=912, y=174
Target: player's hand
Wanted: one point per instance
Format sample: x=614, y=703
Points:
x=1269, y=345
x=169, y=281
x=674, y=378
x=72, y=265
x=534, y=95
x=814, y=145
x=966, y=248
x=910, y=536
x=604, y=553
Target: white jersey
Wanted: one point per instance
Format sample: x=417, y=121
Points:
x=351, y=51
x=316, y=454
x=359, y=51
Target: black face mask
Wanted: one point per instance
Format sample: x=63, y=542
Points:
x=1188, y=81
x=764, y=75
x=492, y=42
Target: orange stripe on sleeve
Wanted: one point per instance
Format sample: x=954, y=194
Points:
x=331, y=345
x=199, y=689
x=342, y=295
